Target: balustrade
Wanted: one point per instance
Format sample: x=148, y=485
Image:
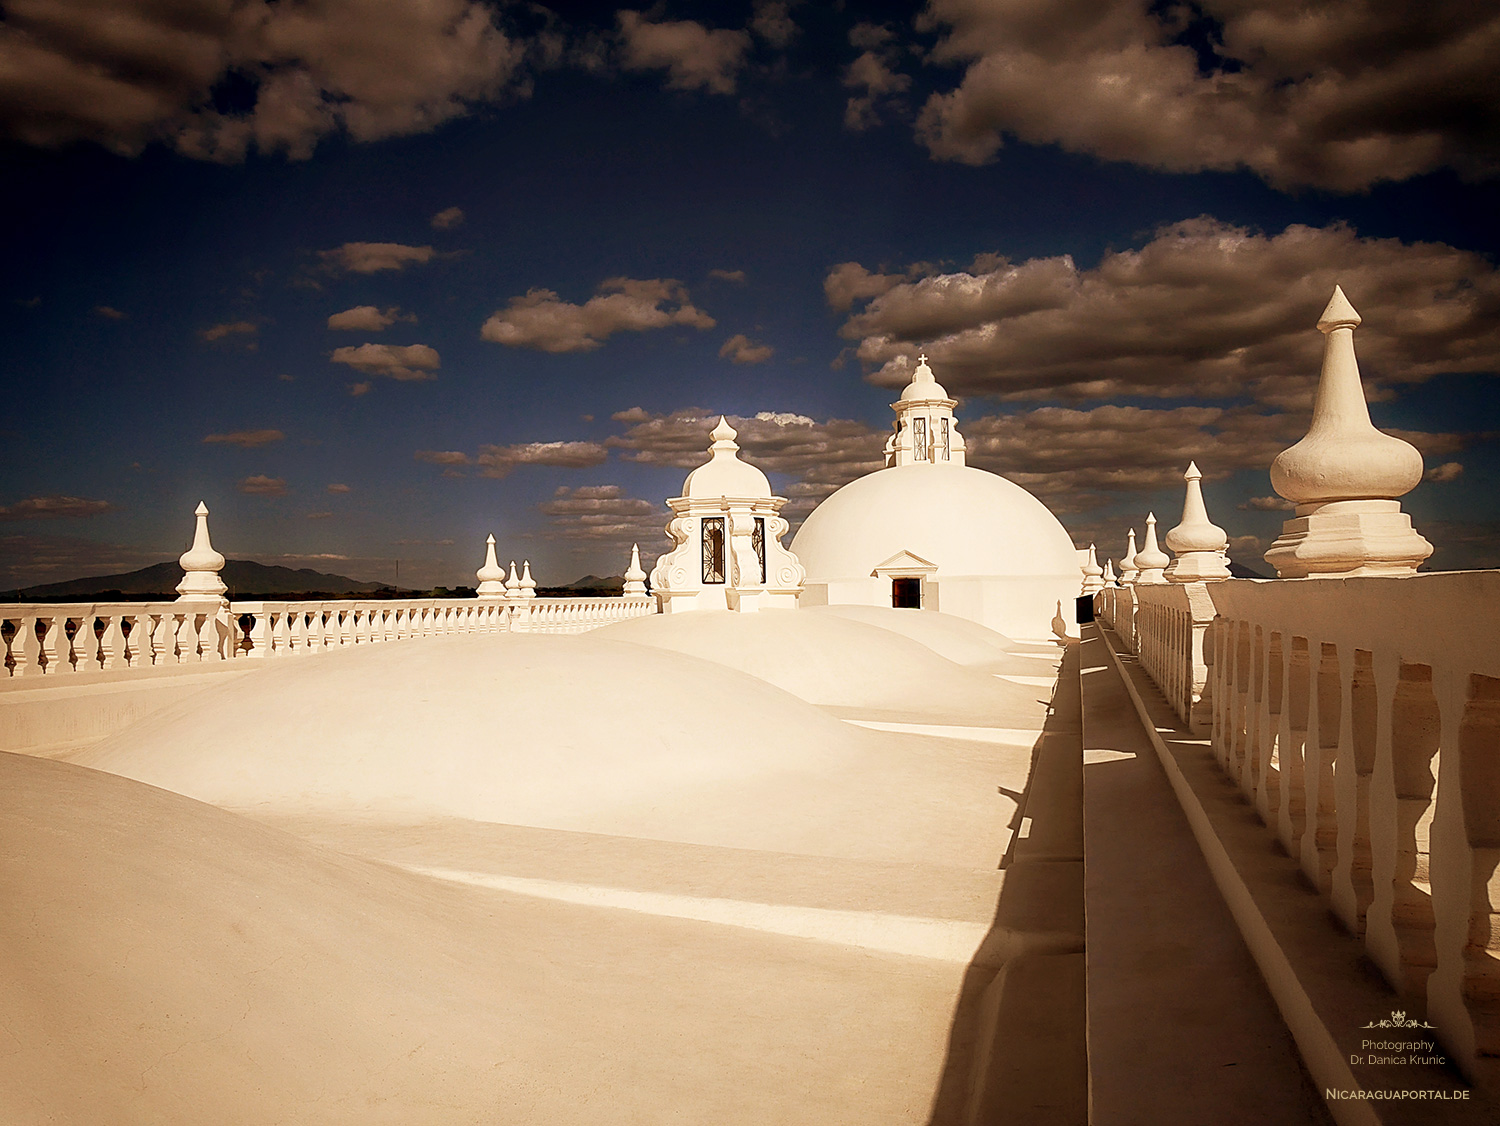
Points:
x=50, y=640
x=1361, y=717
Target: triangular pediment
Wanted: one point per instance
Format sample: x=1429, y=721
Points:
x=904, y=563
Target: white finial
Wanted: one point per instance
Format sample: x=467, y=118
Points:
x=513, y=584
x=723, y=435
x=1343, y=456
x=1093, y=580
x=1110, y=578
x=201, y=564
x=1151, y=559
x=528, y=584
x=635, y=578
x=491, y=576
x=1128, y=567
x=1196, y=541
x=1344, y=461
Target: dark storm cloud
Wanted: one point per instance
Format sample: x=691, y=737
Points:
x=127, y=72
x=1338, y=95
x=1204, y=309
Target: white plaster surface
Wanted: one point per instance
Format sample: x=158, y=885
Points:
x=168, y=962
x=581, y=733
x=839, y=662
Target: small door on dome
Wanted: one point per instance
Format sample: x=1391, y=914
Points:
x=906, y=594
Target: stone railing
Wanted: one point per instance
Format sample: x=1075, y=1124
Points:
x=1115, y=606
x=1168, y=626
x=78, y=638
x=83, y=638
x=1361, y=718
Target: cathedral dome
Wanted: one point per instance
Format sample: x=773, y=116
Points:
x=929, y=532
x=966, y=520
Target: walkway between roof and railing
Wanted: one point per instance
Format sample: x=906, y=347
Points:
x=1360, y=719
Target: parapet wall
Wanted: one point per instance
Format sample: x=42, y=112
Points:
x=1361, y=718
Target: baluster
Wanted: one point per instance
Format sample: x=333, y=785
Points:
x=25, y=649
x=47, y=628
x=84, y=655
x=112, y=642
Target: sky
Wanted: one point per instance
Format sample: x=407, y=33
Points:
x=378, y=278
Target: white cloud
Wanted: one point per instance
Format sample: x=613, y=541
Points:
x=1266, y=504
x=694, y=57
x=1447, y=471
x=338, y=488
x=126, y=72
x=245, y=439
x=740, y=349
x=33, y=508
x=1340, y=95
x=228, y=329
x=727, y=275
x=499, y=461
x=872, y=76
x=262, y=486
x=773, y=23
x=542, y=320
x=1204, y=309
x=372, y=257
x=367, y=318
x=603, y=515
x=395, y=361
x=448, y=218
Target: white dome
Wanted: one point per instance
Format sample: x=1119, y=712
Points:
x=724, y=474
x=964, y=520
x=924, y=386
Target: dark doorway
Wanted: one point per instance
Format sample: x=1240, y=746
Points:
x=906, y=594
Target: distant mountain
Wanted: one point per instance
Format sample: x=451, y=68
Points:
x=589, y=584
x=245, y=579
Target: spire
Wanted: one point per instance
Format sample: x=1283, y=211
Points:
x=1196, y=541
x=1093, y=581
x=513, y=584
x=1345, y=476
x=1109, y=573
x=1128, y=567
x=491, y=576
x=635, y=578
x=528, y=584
x=1343, y=456
x=1151, y=558
x=201, y=564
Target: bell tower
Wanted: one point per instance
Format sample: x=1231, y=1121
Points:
x=926, y=431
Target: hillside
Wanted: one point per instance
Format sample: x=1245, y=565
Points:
x=245, y=579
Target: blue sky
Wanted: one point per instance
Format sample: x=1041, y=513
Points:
x=377, y=278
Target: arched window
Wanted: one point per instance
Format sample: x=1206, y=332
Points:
x=919, y=439
x=758, y=541
x=713, y=549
